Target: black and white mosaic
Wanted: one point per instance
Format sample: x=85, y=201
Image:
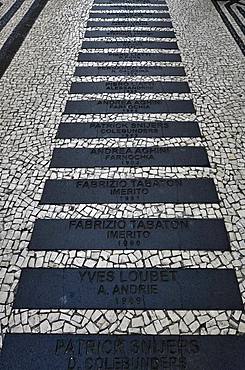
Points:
x=34, y=93
x=232, y=13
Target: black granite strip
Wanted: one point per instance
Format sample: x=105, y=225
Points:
x=129, y=33
x=129, y=45
x=66, y=351
x=129, y=7
x=130, y=87
x=91, y=130
x=15, y=40
x=126, y=233
x=143, y=289
x=128, y=57
x=107, y=15
x=129, y=71
x=156, y=2
x=128, y=106
x=130, y=23
x=137, y=190
x=10, y=13
x=130, y=157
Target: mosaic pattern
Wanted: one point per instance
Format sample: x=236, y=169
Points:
x=12, y=44
x=6, y=17
x=33, y=95
x=232, y=13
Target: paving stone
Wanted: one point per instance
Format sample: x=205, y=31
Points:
x=130, y=2
x=129, y=190
x=130, y=45
x=128, y=106
x=128, y=33
x=128, y=87
x=53, y=352
x=206, y=289
x=131, y=57
x=130, y=157
x=131, y=7
x=125, y=14
x=130, y=23
x=128, y=129
x=33, y=94
x=129, y=71
x=190, y=234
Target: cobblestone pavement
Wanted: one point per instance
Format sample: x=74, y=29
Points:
x=34, y=91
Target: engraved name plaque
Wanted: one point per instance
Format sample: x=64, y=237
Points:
x=137, y=190
x=128, y=57
x=122, y=352
x=129, y=71
x=130, y=45
x=128, y=106
x=126, y=233
x=126, y=14
x=189, y=156
x=128, y=288
x=128, y=129
x=130, y=87
x=130, y=23
x=129, y=33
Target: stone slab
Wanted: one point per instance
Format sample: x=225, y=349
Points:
x=130, y=2
x=130, y=23
x=130, y=87
x=129, y=7
x=128, y=57
x=137, y=190
x=129, y=352
x=128, y=288
x=129, y=45
x=128, y=129
x=153, y=156
x=129, y=33
x=126, y=14
x=129, y=71
x=126, y=233
x=128, y=106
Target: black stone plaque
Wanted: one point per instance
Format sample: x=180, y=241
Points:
x=129, y=45
x=128, y=288
x=129, y=7
x=122, y=352
x=130, y=71
x=128, y=129
x=128, y=106
x=126, y=233
x=128, y=57
x=130, y=23
x=129, y=33
x=156, y=2
x=130, y=157
x=126, y=14
x=137, y=190
x=130, y=87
